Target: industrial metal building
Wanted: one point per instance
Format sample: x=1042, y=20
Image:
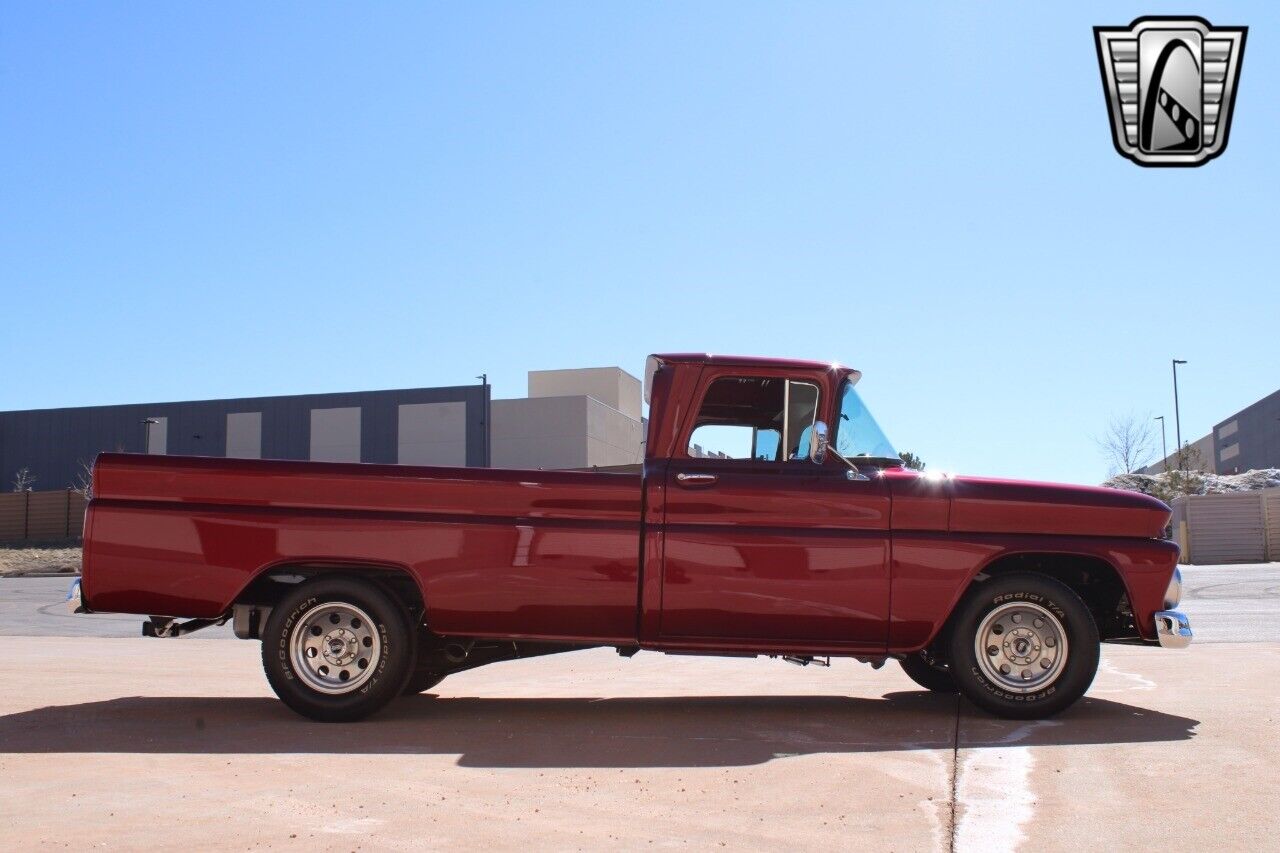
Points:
x=571, y=419
x=1246, y=441
x=1249, y=439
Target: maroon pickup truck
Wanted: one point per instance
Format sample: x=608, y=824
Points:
x=803, y=537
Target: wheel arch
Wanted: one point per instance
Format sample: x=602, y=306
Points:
x=270, y=583
x=1096, y=580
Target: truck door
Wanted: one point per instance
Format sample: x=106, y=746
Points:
x=762, y=544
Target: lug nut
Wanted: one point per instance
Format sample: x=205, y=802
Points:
x=1004, y=667
x=993, y=650
x=1044, y=664
x=1048, y=641
x=1038, y=622
x=1017, y=617
x=1026, y=674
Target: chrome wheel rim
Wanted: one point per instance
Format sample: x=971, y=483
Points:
x=335, y=647
x=1021, y=647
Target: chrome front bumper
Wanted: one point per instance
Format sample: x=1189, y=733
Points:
x=1173, y=629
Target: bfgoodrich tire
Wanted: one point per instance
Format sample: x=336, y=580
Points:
x=421, y=681
x=929, y=674
x=337, y=649
x=1023, y=646
x=425, y=673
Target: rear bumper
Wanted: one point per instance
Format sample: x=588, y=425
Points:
x=1173, y=629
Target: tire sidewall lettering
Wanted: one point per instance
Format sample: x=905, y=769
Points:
x=1047, y=603
x=282, y=646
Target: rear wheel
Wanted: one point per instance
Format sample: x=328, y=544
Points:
x=426, y=672
x=929, y=673
x=337, y=649
x=1023, y=646
x=421, y=681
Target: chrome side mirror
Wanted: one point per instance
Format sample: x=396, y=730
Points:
x=818, y=443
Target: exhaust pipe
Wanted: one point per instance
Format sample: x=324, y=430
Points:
x=805, y=660
x=456, y=652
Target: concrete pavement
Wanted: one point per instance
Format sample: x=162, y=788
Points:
x=1233, y=604
x=137, y=742
x=173, y=745
x=36, y=607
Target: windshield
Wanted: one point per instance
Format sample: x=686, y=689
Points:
x=857, y=433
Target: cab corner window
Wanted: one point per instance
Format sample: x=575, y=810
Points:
x=858, y=436
x=765, y=419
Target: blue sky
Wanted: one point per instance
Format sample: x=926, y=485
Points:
x=239, y=199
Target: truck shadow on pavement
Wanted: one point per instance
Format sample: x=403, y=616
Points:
x=697, y=731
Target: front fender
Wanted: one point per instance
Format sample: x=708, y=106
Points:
x=933, y=571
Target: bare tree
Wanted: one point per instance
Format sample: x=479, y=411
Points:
x=82, y=482
x=1127, y=443
x=23, y=480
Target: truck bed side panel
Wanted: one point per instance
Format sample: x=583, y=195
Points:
x=510, y=553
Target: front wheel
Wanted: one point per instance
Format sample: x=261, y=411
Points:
x=1023, y=646
x=929, y=673
x=337, y=649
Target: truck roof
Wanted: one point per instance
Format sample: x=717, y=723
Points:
x=751, y=361
x=748, y=361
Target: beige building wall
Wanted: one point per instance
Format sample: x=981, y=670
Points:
x=595, y=422
x=157, y=436
x=612, y=386
x=545, y=432
x=613, y=437
x=335, y=434
x=244, y=435
x=432, y=434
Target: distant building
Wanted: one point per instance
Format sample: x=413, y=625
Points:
x=571, y=419
x=1250, y=438
x=1247, y=440
x=1200, y=458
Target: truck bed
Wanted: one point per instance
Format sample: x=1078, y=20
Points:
x=538, y=554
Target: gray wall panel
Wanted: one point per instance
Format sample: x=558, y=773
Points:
x=1257, y=437
x=51, y=442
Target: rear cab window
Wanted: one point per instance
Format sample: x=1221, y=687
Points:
x=756, y=418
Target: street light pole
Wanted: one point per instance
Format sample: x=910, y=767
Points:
x=1177, y=417
x=1164, y=448
x=146, y=434
x=488, y=428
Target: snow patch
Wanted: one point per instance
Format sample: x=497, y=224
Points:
x=1199, y=483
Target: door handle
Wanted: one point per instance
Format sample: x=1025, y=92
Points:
x=695, y=479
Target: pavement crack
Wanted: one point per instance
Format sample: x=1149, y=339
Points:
x=955, y=776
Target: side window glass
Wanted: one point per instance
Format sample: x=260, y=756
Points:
x=761, y=418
